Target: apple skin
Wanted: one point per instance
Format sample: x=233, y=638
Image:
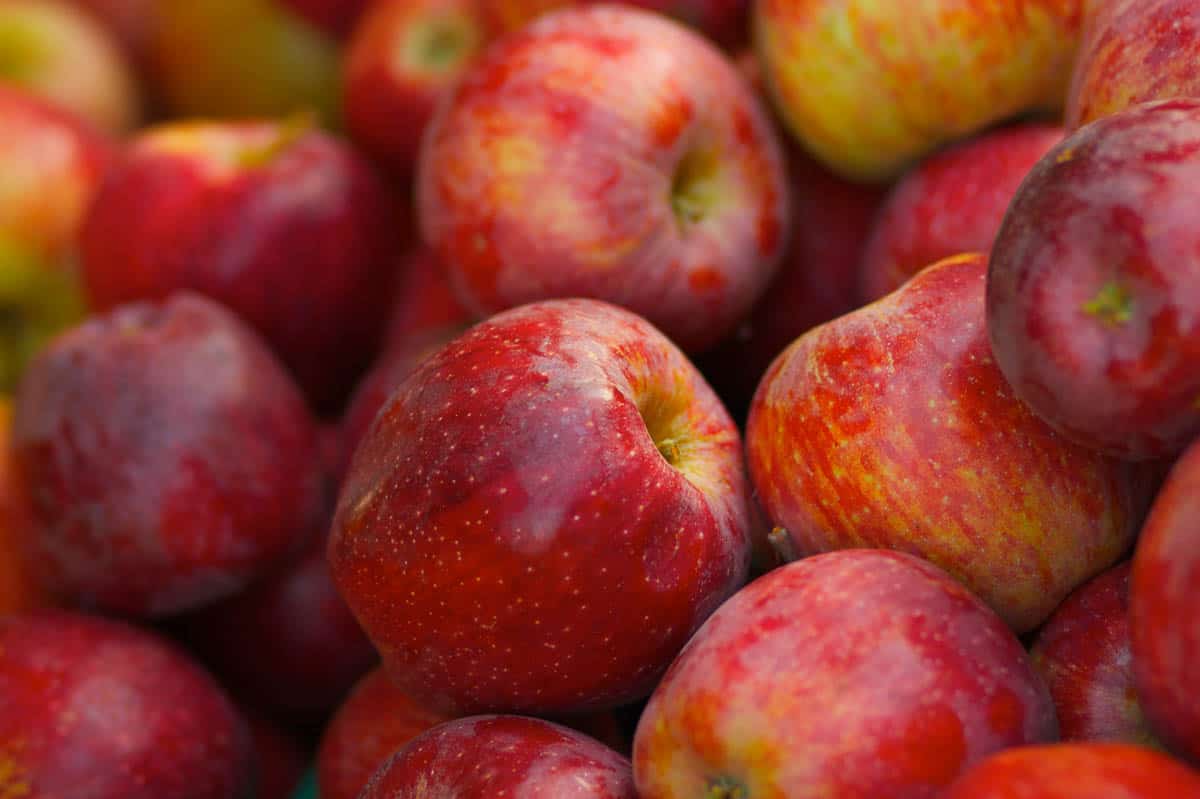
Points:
x=1083, y=653
x=1071, y=770
x=725, y=22
x=1164, y=608
x=503, y=756
x=62, y=54
x=896, y=679
x=606, y=152
x=424, y=300
x=279, y=760
x=93, y=707
x=241, y=59
x=1093, y=298
x=1133, y=52
x=402, y=58
x=952, y=202
x=530, y=460
x=892, y=427
x=870, y=86
x=167, y=456
x=285, y=225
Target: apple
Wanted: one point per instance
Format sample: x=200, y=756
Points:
x=606, y=152
x=856, y=673
x=892, y=427
x=503, y=756
x=58, y=52
x=1093, y=297
x=1083, y=654
x=871, y=86
x=279, y=759
x=335, y=17
x=1164, y=608
x=1067, y=771
x=167, y=456
x=96, y=708
x=424, y=300
x=242, y=58
x=402, y=58
x=19, y=590
x=284, y=224
x=726, y=22
x=1134, y=51
x=542, y=513
x=952, y=202
x=130, y=22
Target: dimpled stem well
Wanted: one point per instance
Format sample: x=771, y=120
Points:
x=1112, y=305
x=694, y=187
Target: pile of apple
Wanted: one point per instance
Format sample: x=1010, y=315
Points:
x=543, y=399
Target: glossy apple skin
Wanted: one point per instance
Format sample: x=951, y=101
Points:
x=572, y=559
x=289, y=228
x=279, y=759
x=402, y=57
x=606, y=152
x=870, y=86
x=726, y=22
x=503, y=756
x=1067, y=771
x=1093, y=299
x=1165, y=609
x=96, y=708
x=57, y=52
x=1083, y=654
x=892, y=427
x=168, y=457
x=897, y=679
x=1134, y=51
x=952, y=202
x=237, y=59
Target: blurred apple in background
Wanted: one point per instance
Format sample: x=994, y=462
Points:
x=1135, y=51
x=892, y=427
x=952, y=202
x=50, y=167
x=403, y=56
x=279, y=759
x=336, y=17
x=1083, y=654
x=242, y=58
x=424, y=300
x=284, y=224
x=130, y=22
x=726, y=22
x=58, y=52
x=870, y=86
x=607, y=152
x=19, y=590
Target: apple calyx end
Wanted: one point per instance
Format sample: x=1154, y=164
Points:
x=1112, y=305
x=726, y=788
x=442, y=44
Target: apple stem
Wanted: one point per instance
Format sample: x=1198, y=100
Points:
x=781, y=542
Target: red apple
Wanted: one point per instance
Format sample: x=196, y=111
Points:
x=724, y=21
x=892, y=427
x=285, y=225
x=1164, y=609
x=402, y=57
x=1134, y=51
x=94, y=708
x=952, y=202
x=1083, y=654
x=542, y=514
x=1068, y=771
x=56, y=51
x=503, y=756
x=1093, y=298
x=168, y=457
x=279, y=759
x=858, y=673
x=606, y=152
x=424, y=300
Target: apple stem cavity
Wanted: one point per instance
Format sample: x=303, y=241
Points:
x=781, y=542
x=441, y=44
x=726, y=788
x=291, y=129
x=694, y=186
x=1112, y=305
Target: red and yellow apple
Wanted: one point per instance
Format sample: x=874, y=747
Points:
x=611, y=153
x=726, y=22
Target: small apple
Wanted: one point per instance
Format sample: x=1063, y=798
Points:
x=284, y=224
x=606, y=152
x=1069, y=771
x=402, y=58
x=1093, y=295
x=952, y=202
x=503, y=756
x=1083, y=654
x=892, y=427
x=1164, y=606
x=870, y=86
x=542, y=513
x=58, y=52
x=864, y=673
x=167, y=456
x=97, y=708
